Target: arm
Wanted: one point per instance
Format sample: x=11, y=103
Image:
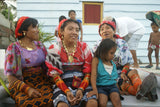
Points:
x=149, y=40
x=94, y=77
x=23, y=87
x=81, y=32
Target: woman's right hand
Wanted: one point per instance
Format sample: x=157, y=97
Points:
x=124, y=77
x=34, y=93
x=71, y=98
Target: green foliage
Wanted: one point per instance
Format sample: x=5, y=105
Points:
x=5, y=13
x=45, y=37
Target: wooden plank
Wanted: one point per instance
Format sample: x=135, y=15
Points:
x=123, y=8
x=49, y=6
x=47, y=1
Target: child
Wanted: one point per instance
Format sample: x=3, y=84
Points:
x=72, y=15
x=104, y=74
x=153, y=45
x=56, y=30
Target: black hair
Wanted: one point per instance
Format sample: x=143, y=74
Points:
x=113, y=20
x=25, y=25
x=71, y=12
x=153, y=23
x=103, y=48
x=61, y=18
x=69, y=21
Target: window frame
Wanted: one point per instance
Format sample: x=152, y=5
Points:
x=92, y=3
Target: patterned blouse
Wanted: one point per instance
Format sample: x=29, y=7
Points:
x=17, y=58
x=82, y=57
x=123, y=55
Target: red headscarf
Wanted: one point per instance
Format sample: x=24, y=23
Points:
x=59, y=27
x=112, y=24
x=19, y=23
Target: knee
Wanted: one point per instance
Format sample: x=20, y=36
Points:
x=102, y=103
x=156, y=56
x=92, y=103
x=62, y=104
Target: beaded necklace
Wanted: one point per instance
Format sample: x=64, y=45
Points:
x=70, y=55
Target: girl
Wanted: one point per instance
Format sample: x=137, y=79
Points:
x=104, y=74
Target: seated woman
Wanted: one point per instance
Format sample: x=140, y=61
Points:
x=129, y=80
x=24, y=66
x=69, y=63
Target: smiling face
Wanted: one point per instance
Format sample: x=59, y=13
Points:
x=70, y=32
x=32, y=33
x=106, y=31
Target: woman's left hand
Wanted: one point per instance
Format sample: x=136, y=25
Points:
x=79, y=96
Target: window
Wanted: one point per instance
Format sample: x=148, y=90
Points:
x=92, y=13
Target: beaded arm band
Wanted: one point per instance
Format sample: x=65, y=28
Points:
x=21, y=86
x=60, y=83
x=125, y=69
x=84, y=84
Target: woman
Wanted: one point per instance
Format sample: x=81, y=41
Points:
x=129, y=80
x=24, y=67
x=69, y=64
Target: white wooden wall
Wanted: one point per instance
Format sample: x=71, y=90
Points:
x=48, y=11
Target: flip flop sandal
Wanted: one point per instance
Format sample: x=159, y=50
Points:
x=149, y=66
x=147, y=85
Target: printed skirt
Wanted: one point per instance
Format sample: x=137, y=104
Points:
x=37, y=79
x=67, y=76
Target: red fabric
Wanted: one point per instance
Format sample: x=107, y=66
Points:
x=51, y=68
x=82, y=54
x=51, y=47
x=59, y=27
x=92, y=13
x=118, y=37
x=19, y=23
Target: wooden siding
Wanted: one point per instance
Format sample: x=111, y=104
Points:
x=48, y=11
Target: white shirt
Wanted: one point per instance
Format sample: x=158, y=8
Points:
x=128, y=26
x=108, y=68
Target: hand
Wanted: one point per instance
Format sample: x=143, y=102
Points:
x=79, y=96
x=81, y=39
x=71, y=98
x=33, y=93
x=124, y=92
x=94, y=92
x=124, y=77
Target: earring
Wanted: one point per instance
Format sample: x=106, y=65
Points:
x=24, y=33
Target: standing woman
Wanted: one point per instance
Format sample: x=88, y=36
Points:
x=25, y=67
x=69, y=64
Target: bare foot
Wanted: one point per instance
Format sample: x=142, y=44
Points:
x=135, y=66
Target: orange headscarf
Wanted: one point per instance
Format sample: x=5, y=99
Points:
x=59, y=27
x=19, y=23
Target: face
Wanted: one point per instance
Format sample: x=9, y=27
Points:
x=111, y=53
x=155, y=28
x=71, y=32
x=32, y=33
x=72, y=15
x=106, y=32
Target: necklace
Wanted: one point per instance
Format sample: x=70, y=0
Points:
x=70, y=55
x=28, y=48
